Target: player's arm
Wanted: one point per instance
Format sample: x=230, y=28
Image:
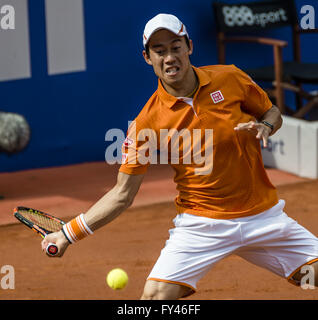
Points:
x=111, y=205
x=273, y=117
x=267, y=125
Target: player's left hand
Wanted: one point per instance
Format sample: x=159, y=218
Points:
x=260, y=130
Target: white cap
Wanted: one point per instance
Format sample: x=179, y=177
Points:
x=164, y=21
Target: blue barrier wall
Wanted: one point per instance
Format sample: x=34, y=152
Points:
x=70, y=113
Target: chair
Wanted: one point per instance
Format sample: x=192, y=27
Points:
x=238, y=23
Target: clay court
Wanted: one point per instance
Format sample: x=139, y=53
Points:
x=133, y=241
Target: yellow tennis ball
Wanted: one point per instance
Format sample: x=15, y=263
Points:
x=117, y=279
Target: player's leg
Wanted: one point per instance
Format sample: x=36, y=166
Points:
x=278, y=243
x=158, y=290
x=195, y=245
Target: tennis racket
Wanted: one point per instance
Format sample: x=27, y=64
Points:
x=40, y=222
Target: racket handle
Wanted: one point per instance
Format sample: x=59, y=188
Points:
x=52, y=249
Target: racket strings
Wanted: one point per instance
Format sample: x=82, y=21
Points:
x=41, y=220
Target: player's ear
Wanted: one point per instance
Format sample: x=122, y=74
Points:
x=190, y=47
x=146, y=57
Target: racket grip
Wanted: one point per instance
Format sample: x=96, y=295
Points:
x=52, y=249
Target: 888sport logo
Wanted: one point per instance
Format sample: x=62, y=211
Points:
x=243, y=15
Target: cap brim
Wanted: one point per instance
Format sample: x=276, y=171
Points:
x=164, y=28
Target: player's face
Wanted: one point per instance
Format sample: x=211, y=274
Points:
x=169, y=56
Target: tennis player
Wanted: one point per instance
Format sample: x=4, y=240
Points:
x=233, y=208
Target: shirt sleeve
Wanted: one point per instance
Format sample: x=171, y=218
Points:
x=256, y=101
x=139, y=148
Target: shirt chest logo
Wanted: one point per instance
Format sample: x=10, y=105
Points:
x=217, y=96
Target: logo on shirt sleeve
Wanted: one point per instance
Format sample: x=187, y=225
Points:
x=128, y=142
x=217, y=96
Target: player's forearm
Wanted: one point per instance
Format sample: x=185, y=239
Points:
x=111, y=205
x=103, y=211
x=273, y=116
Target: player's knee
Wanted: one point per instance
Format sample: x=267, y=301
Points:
x=154, y=291
x=150, y=295
x=157, y=290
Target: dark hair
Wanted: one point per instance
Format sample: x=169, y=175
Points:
x=186, y=40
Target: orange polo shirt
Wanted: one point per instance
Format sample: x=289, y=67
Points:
x=231, y=182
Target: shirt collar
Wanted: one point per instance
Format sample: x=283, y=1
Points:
x=170, y=100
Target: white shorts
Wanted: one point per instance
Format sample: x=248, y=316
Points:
x=270, y=240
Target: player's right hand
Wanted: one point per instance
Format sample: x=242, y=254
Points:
x=58, y=239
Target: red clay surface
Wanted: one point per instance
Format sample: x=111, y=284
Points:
x=132, y=242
